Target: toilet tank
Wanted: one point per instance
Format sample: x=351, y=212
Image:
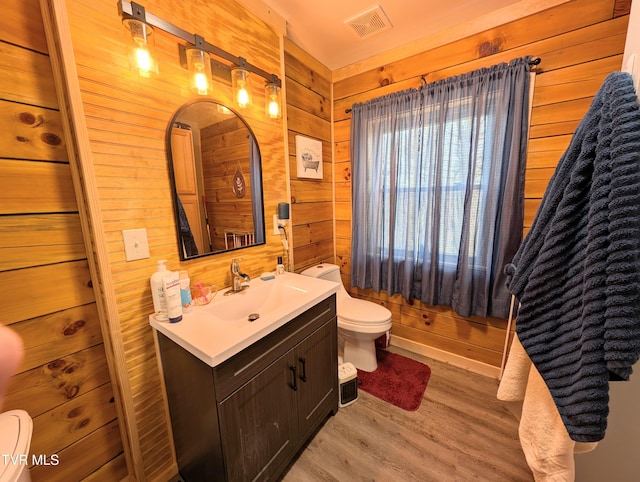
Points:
x=330, y=272
x=326, y=271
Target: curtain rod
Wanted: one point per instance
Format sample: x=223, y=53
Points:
x=533, y=62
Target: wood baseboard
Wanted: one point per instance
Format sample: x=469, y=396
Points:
x=446, y=357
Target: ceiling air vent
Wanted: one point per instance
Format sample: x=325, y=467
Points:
x=369, y=22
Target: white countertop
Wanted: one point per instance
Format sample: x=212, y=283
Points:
x=217, y=331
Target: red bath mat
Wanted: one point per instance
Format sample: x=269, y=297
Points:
x=398, y=380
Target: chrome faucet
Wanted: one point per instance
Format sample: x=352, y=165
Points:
x=238, y=278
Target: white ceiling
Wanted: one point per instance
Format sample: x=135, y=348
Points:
x=318, y=25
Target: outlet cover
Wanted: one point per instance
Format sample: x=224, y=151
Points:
x=278, y=223
x=136, y=245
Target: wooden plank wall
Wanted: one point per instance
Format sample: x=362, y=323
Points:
x=309, y=114
x=45, y=285
x=126, y=120
x=579, y=43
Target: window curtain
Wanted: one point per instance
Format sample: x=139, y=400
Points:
x=437, y=186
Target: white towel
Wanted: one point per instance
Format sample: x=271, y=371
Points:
x=544, y=439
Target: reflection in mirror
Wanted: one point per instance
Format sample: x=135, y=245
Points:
x=217, y=180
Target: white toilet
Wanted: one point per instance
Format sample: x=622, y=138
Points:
x=16, y=428
x=360, y=322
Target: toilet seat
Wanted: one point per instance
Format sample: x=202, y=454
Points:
x=363, y=316
x=357, y=310
x=16, y=427
x=356, y=327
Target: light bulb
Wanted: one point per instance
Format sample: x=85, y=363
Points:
x=243, y=98
x=201, y=83
x=144, y=61
x=273, y=102
x=142, y=49
x=274, y=108
x=199, y=65
x=241, y=87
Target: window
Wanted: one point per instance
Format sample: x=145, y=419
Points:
x=437, y=189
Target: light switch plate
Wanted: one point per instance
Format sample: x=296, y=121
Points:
x=136, y=245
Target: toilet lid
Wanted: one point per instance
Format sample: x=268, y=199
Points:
x=16, y=427
x=363, y=312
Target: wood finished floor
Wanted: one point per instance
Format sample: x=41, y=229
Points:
x=461, y=432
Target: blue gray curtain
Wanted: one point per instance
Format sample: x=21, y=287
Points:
x=437, y=186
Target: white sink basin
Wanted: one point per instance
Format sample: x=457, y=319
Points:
x=261, y=299
x=219, y=330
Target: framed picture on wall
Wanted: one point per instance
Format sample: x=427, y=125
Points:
x=308, y=157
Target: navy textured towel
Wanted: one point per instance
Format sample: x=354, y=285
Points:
x=577, y=273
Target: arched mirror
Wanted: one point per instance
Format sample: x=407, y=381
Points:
x=217, y=180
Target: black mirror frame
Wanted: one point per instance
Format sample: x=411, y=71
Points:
x=257, y=195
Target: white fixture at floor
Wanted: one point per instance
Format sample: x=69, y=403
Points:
x=360, y=322
x=348, y=384
x=16, y=428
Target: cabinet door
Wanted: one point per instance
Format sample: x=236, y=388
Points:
x=258, y=423
x=317, y=360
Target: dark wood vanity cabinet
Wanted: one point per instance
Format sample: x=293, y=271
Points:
x=248, y=417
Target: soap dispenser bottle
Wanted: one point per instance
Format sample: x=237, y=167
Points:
x=157, y=291
x=280, y=266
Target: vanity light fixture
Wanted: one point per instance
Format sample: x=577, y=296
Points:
x=142, y=53
x=273, y=99
x=199, y=65
x=198, y=57
x=241, y=85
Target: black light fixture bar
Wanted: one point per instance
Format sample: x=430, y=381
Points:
x=138, y=12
